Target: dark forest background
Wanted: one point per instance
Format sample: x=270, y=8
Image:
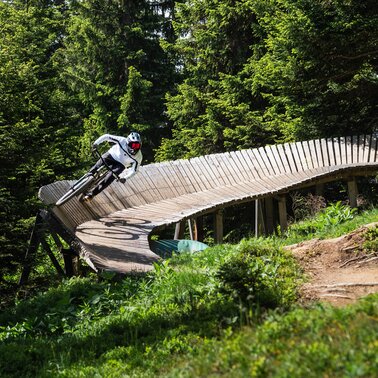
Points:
x=193, y=77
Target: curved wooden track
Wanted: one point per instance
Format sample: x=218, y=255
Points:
x=113, y=230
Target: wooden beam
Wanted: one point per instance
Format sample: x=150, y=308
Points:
x=256, y=218
x=218, y=226
x=179, y=230
x=190, y=229
x=34, y=243
x=352, y=192
x=53, y=259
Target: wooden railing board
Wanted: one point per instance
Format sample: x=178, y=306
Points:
x=374, y=149
x=256, y=170
x=218, y=169
x=290, y=157
x=274, y=160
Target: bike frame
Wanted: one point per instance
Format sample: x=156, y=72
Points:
x=87, y=181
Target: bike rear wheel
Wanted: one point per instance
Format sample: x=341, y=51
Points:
x=78, y=187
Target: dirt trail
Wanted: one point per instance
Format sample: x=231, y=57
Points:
x=338, y=269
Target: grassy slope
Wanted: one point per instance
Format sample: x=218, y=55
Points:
x=226, y=311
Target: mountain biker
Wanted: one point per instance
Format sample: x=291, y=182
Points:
x=125, y=153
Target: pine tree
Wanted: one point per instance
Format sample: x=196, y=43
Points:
x=114, y=62
x=36, y=139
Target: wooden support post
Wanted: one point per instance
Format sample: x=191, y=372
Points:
x=256, y=218
x=282, y=212
x=70, y=262
x=269, y=215
x=198, y=228
x=262, y=228
x=34, y=242
x=352, y=192
x=179, y=230
x=218, y=226
x=190, y=229
x=49, y=252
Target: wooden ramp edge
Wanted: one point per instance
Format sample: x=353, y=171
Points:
x=113, y=229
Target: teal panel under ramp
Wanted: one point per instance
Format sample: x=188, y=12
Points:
x=165, y=248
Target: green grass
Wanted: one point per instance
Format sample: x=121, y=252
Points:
x=227, y=311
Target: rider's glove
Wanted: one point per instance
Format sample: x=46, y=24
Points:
x=94, y=147
x=122, y=180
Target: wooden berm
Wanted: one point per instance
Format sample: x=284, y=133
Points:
x=112, y=232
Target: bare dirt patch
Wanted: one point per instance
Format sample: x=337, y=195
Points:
x=339, y=270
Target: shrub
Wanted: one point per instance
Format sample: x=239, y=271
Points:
x=259, y=274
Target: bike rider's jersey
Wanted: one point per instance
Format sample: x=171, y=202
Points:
x=120, y=153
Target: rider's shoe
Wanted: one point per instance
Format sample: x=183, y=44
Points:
x=88, y=197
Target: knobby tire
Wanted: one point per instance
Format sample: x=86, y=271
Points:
x=76, y=189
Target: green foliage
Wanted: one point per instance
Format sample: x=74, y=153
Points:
x=213, y=109
x=112, y=59
x=37, y=122
x=318, y=69
x=139, y=322
x=325, y=221
x=318, y=341
x=371, y=240
x=256, y=274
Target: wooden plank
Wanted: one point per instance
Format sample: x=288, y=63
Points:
x=165, y=170
x=178, y=178
x=290, y=157
x=296, y=157
x=191, y=173
x=242, y=166
x=337, y=151
x=210, y=175
x=266, y=160
x=331, y=152
x=263, y=168
x=348, y=150
x=274, y=155
x=180, y=166
x=319, y=153
x=199, y=175
x=307, y=154
x=302, y=156
x=361, y=148
x=373, y=149
x=153, y=191
x=235, y=168
x=253, y=162
x=366, y=149
x=324, y=149
x=284, y=159
x=159, y=180
x=225, y=169
x=217, y=168
x=313, y=154
x=343, y=151
x=251, y=168
x=355, y=149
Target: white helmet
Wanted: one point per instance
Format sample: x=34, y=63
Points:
x=134, y=143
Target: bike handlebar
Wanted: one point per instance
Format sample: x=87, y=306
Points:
x=95, y=151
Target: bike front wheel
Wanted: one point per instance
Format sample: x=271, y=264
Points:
x=78, y=187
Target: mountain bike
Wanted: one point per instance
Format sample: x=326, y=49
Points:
x=89, y=181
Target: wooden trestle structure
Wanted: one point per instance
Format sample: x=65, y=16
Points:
x=112, y=232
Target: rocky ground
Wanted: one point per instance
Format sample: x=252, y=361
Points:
x=339, y=270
